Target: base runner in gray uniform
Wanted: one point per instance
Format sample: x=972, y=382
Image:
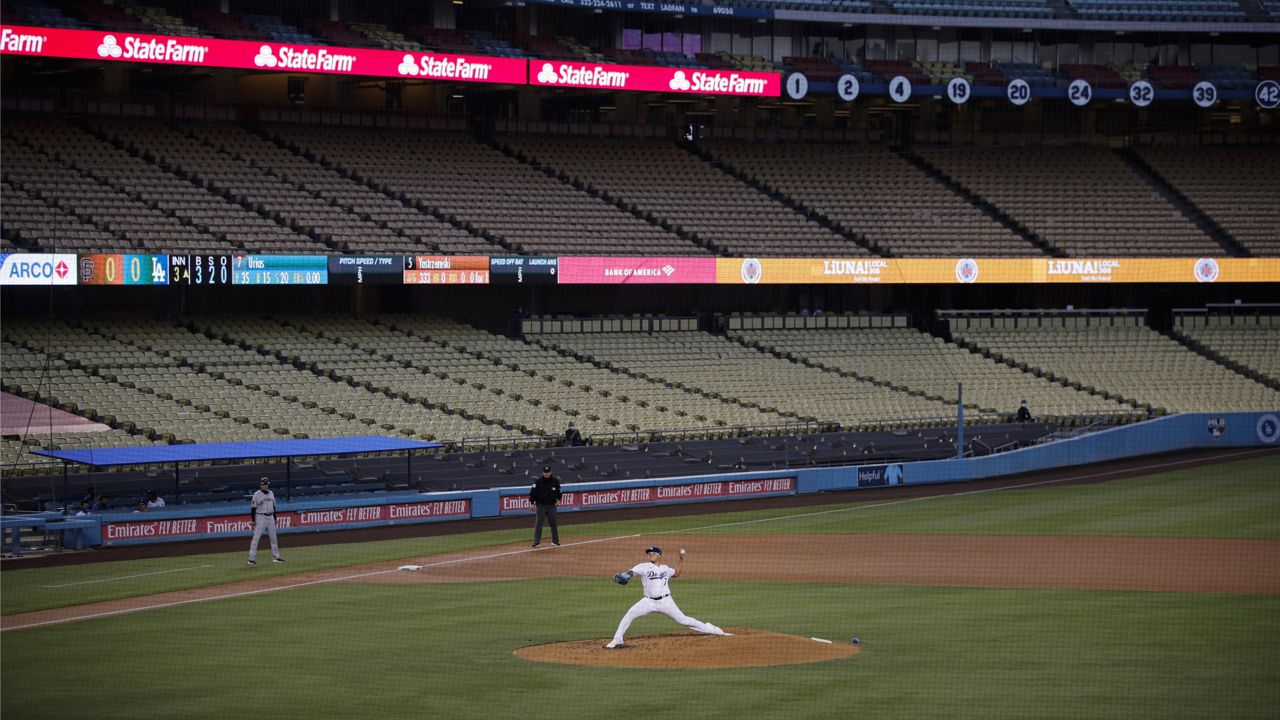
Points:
x=262, y=510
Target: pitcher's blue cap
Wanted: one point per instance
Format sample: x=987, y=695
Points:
x=655, y=548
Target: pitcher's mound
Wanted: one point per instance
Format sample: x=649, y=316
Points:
x=747, y=648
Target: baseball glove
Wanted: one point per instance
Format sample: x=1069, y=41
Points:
x=622, y=578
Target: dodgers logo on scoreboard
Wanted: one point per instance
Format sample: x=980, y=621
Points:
x=967, y=271
x=1206, y=270
x=752, y=271
x=1217, y=426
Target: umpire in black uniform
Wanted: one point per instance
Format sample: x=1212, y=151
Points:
x=543, y=497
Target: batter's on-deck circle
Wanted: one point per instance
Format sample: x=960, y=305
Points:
x=657, y=597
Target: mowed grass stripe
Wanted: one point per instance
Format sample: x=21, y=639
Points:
x=446, y=651
x=1233, y=500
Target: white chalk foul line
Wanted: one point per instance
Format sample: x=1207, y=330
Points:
x=127, y=577
x=293, y=586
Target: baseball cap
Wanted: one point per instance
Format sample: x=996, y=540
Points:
x=264, y=481
x=546, y=468
x=655, y=548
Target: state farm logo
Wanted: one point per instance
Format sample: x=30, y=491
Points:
x=138, y=49
x=109, y=48
x=456, y=68
x=751, y=271
x=679, y=81
x=11, y=41
x=598, y=76
x=291, y=58
x=967, y=270
x=265, y=58
x=1206, y=270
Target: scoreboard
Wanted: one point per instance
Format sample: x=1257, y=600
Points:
x=280, y=270
x=200, y=269
x=101, y=269
x=447, y=270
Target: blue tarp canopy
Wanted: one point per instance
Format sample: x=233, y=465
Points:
x=165, y=454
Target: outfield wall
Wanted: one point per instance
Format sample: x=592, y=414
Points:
x=1167, y=434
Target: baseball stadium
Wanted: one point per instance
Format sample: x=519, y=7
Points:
x=578, y=359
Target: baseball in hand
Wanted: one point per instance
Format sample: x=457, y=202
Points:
x=681, y=552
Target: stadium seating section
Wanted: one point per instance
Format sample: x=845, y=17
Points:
x=232, y=378
x=93, y=184
x=877, y=194
x=1236, y=186
x=663, y=181
x=1118, y=355
x=1252, y=341
x=1084, y=201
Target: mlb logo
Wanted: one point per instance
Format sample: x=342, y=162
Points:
x=1217, y=426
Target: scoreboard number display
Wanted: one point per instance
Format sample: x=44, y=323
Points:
x=797, y=86
x=1018, y=92
x=1141, y=93
x=104, y=269
x=1079, y=92
x=1205, y=94
x=958, y=90
x=199, y=269
x=900, y=89
x=1267, y=94
x=523, y=270
x=848, y=87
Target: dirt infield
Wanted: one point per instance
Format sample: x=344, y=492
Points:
x=1034, y=562
x=747, y=648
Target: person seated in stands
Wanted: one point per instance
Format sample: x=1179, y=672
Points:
x=85, y=509
x=573, y=437
x=142, y=506
x=154, y=501
x=1024, y=415
x=101, y=506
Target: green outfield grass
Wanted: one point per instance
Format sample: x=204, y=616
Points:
x=445, y=651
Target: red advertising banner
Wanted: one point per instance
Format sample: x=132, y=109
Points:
x=179, y=528
x=253, y=55
x=697, y=81
x=636, y=270
x=587, y=499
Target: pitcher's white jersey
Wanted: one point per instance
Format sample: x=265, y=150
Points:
x=654, y=577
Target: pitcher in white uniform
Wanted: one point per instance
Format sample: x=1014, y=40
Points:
x=657, y=597
x=262, y=509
